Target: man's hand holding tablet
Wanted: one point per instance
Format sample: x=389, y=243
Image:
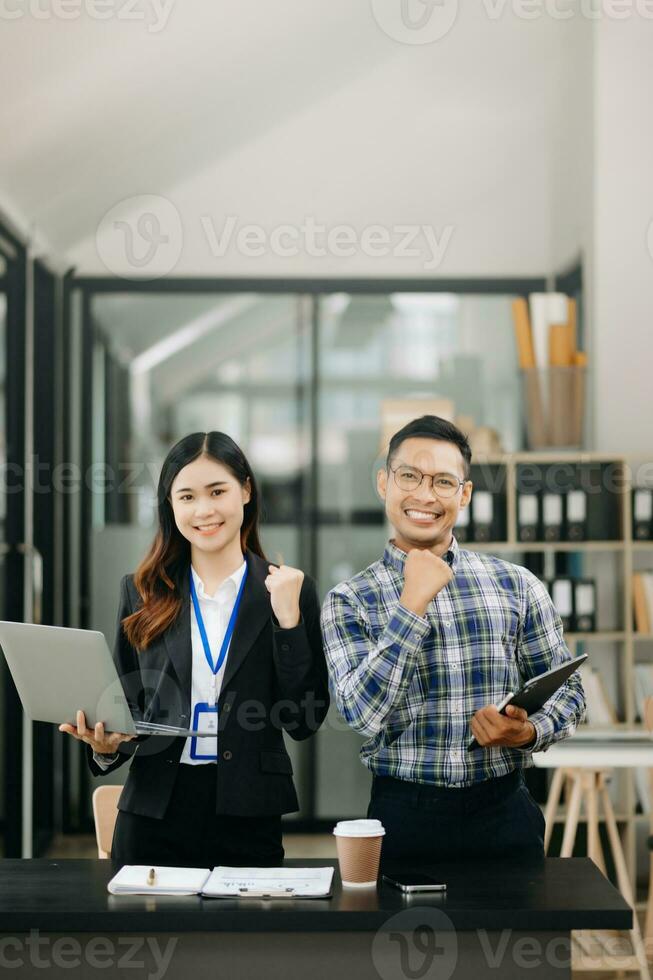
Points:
x=507, y=724
x=513, y=729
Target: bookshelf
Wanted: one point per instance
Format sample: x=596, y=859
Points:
x=621, y=555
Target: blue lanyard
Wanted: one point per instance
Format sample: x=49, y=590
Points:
x=230, y=627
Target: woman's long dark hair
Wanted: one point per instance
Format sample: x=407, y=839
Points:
x=159, y=576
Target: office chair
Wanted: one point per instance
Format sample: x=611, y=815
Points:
x=105, y=812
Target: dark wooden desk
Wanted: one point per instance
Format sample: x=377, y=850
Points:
x=498, y=921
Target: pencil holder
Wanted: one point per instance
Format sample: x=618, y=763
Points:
x=553, y=402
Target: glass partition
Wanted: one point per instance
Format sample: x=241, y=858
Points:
x=303, y=384
x=165, y=366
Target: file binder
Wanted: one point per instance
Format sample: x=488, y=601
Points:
x=483, y=511
x=640, y=604
x=527, y=516
x=463, y=526
x=585, y=606
x=562, y=595
x=576, y=515
x=552, y=511
x=642, y=513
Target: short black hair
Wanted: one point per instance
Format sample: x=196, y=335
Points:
x=432, y=427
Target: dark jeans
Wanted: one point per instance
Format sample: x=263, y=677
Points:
x=191, y=834
x=497, y=818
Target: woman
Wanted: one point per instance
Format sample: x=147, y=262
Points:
x=210, y=634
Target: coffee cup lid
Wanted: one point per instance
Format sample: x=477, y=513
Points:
x=359, y=828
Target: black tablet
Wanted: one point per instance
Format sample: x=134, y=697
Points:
x=537, y=691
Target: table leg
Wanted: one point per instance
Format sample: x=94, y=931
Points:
x=594, y=849
x=573, y=813
x=551, y=807
x=623, y=880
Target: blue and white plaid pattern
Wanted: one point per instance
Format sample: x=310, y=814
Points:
x=413, y=683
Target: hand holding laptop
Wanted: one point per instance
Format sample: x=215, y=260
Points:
x=99, y=741
x=57, y=669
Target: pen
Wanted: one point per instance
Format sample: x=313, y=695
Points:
x=151, y=876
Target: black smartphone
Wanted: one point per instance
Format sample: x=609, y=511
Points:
x=414, y=883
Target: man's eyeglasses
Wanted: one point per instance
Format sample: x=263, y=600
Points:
x=410, y=478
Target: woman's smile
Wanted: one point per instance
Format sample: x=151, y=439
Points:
x=207, y=529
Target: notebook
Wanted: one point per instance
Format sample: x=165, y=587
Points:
x=132, y=879
x=223, y=882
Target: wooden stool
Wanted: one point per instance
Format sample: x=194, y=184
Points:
x=592, y=786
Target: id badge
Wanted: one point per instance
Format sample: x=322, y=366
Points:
x=205, y=716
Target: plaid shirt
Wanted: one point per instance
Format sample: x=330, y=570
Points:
x=413, y=683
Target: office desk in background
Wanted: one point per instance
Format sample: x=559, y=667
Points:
x=620, y=747
x=522, y=915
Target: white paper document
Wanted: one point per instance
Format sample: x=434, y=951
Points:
x=274, y=882
x=134, y=879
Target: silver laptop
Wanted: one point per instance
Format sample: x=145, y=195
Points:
x=58, y=670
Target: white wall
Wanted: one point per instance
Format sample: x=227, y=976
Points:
x=572, y=150
x=623, y=266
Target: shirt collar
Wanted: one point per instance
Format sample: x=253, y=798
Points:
x=228, y=588
x=395, y=558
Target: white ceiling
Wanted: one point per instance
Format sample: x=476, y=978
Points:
x=270, y=112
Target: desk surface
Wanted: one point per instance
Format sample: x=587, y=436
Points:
x=581, y=754
x=71, y=896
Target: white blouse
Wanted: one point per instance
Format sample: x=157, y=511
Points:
x=216, y=610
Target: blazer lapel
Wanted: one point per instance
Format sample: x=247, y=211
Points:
x=254, y=613
x=179, y=646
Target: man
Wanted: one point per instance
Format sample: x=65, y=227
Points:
x=421, y=646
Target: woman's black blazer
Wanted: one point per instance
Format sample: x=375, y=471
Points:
x=275, y=680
